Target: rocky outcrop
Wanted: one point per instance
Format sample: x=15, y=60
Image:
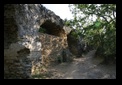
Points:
x=22, y=44
x=53, y=47
x=67, y=30
x=75, y=43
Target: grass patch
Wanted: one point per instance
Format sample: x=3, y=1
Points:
x=42, y=75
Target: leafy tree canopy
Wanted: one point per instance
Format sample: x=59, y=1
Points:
x=97, y=22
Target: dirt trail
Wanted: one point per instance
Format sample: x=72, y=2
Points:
x=86, y=67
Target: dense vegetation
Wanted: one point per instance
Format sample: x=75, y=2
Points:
x=97, y=22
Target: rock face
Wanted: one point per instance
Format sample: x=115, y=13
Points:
x=54, y=50
x=22, y=44
x=75, y=43
x=67, y=29
x=53, y=47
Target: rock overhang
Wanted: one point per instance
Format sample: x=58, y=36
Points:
x=23, y=34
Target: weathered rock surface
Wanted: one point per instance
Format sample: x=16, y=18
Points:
x=22, y=44
x=54, y=51
x=67, y=29
x=53, y=47
x=75, y=44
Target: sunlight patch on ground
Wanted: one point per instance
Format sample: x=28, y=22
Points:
x=69, y=78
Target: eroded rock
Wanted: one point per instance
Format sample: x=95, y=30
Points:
x=21, y=38
x=16, y=62
x=75, y=43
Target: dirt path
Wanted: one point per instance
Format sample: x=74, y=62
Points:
x=86, y=67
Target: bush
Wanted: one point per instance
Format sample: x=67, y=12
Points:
x=42, y=30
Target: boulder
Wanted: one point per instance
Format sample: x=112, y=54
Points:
x=66, y=55
x=75, y=43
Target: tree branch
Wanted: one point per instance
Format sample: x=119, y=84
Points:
x=105, y=19
x=114, y=14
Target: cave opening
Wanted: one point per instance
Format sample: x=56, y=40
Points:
x=51, y=28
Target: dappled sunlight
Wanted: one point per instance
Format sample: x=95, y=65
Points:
x=69, y=78
x=80, y=59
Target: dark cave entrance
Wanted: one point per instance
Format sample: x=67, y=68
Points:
x=51, y=28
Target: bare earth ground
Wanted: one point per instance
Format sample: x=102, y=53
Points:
x=86, y=67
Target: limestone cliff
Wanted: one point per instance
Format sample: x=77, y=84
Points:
x=22, y=44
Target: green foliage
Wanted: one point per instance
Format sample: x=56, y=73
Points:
x=41, y=75
x=42, y=30
x=66, y=22
x=97, y=22
x=69, y=22
x=76, y=33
